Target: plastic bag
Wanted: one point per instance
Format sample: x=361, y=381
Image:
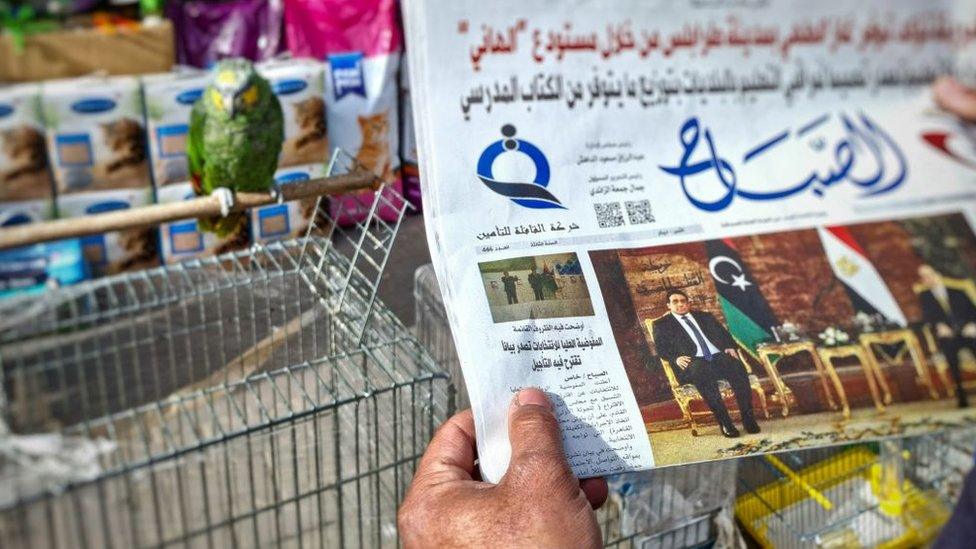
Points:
x=209, y=31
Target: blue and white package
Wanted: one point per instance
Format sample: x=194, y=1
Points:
x=33, y=269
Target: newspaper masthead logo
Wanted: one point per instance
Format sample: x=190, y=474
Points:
x=528, y=194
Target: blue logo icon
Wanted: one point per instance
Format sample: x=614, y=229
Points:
x=5, y=110
x=93, y=106
x=105, y=207
x=189, y=97
x=286, y=87
x=291, y=177
x=347, y=74
x=16, y=219
x=526, y=194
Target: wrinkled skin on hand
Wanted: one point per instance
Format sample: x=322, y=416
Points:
x=538, y=503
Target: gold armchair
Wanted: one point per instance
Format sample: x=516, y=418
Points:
x=938, y=359
x=686, y=394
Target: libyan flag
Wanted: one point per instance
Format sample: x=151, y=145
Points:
x=749, y=316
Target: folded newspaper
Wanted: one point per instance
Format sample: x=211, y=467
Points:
x=706, y=229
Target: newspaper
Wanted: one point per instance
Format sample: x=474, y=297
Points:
x=706, y=229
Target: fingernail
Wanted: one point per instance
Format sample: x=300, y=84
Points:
x=532, y=396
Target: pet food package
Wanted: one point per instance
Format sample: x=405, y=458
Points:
x=119, y=251
x=25, y=182
x=183, y=239
x=361, y=43
x=95, y=134
x=408, y=142
x=34, y=269
x=289, y=219
x=26, y=196
x=26, y=270
x=25, y=211
x=169, y=100
x=299, y=85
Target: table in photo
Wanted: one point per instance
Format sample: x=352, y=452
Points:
x=868, y=365
x=771, y=353
x=910, y=344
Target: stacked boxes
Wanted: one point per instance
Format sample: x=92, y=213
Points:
x=298, y=83
x=91, y=145
x=97, y=153
x=26, y=196
x=169, y=101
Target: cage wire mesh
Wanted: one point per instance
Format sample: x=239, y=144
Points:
x=673, y=507
x=670, y=508
x=433, y=329
x=260, y=398
x=893, y=493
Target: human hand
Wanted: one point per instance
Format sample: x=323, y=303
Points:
x=969, y=330
x=732, y=353
x=954, y=97
x=538, y=503
x=683, y=362
x=943, y=330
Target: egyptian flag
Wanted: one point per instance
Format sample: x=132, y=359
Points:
x=749, y=316
x=866, y=288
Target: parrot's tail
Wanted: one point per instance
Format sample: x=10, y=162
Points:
x=224, y=226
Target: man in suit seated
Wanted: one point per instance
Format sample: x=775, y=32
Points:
x=703, y=352
x=951, y=315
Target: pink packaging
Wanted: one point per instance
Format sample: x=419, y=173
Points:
x=361, y=42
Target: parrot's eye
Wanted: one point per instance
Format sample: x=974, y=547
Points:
x=216, y=99
x=250, y=96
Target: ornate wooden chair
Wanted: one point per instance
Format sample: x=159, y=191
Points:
x=968, y=362
x=686, y=394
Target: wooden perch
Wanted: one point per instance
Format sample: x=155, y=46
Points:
x=154, y=215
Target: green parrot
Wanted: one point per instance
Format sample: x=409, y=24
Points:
x=236, y=130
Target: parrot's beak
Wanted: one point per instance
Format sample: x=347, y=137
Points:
x=228, y=101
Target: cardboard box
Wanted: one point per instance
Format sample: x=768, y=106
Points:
x=119, y=251
x=95, y=134
x=290, y=219
x=80, y=51
x=298, y=83
x=169, y=99
x=182, y=240
x=34, y=269
x=23, y=152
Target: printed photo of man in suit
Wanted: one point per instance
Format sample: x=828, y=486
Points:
x=702, y=352
x=951, y=315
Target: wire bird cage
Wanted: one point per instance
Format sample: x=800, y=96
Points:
x=673, y=507
x=894, y=493
x=433, y=329
x=261, y=398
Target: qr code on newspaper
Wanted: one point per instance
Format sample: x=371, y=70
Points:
x=639, y=212
x=609, y=214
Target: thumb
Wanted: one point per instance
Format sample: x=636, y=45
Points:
x=537, y=445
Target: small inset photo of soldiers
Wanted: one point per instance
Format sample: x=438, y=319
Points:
x=545, y=286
